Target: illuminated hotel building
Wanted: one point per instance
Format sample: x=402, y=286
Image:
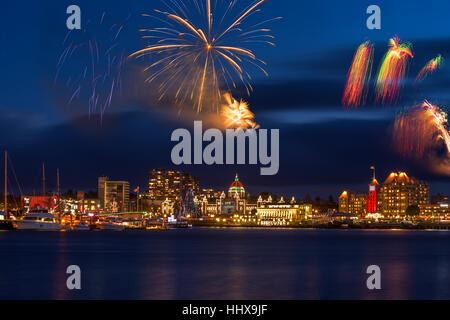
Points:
x=400, y=191
x=354, y=203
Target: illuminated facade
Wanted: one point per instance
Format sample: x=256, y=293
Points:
x=353, y=203
x=236, y=189
x=170, y=184
x=282, y=214
x=164, y=184
x=438, y=210
x=373, y=197
x=114, y=196
x=213, y=203
x=400, y=191
x=42, y=202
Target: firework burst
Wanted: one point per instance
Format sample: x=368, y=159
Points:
x=430, y=68
x=203, y=48
x=99, y=78
x=392, y=71
x=237, y=114
x=422, y=130
x=355, y=92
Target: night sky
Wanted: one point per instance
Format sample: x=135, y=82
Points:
x=324, y=148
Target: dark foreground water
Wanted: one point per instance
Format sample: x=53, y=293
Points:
x=225, y=264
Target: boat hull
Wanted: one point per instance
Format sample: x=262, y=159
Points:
x=110, y=226
x=81, y=228
x=38, y=225
x=6, y=225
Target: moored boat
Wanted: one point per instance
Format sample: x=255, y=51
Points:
x=38, y=219
x=5, y=223
x=110, y=223
x=81, y=227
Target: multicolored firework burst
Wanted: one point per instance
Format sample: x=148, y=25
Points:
x=430, y=68
x=102, y=62
x=422, y=130
x=355, y=92
x=392, y=71
x=201, y=48
x=237, y=114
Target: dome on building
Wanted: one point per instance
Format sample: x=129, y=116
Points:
x=236, y=189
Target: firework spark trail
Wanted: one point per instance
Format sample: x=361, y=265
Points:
x=392, y=71
x=430, y=68
x=99, y=78
x=198, y=50
x=355, y=92
x=237, y=114
x=421, y=129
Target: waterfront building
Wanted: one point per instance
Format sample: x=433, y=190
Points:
x=236, y=189
x=114, y=196
x=88, y=205
x=437, y=210
x=374, y=197
x=400, y=191
x=189, y=182
x=353, y=203
x=164, y=184
x=236, y=201
x=282, y=213
x=42, y=202
x=210, y=193
x=170, y=184
x=169, y=207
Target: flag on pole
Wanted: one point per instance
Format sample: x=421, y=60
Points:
x=136, y=190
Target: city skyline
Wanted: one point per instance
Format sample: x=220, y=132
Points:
x=319, y=139
x=195, y=184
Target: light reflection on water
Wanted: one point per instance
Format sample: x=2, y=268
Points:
x=225, y=264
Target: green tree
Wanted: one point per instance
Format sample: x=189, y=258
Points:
x=413, y=211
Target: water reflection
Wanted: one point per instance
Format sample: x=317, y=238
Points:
x=226, y=264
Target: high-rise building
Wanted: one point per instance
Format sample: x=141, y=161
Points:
x=114, y=196
x=167, y=184
x=400, y=191
x=189, y=182
x=354, y=203
x=164, y=184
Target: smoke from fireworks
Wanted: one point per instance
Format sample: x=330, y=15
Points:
x=92, y=64
x=392, y=71
x=237, y=114
x=202, y=48
x=422, y=133
x=430, y=68
x=355, y=92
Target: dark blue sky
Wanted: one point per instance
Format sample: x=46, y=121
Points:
x=323, y=148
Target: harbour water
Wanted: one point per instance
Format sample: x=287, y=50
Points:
x=208, y=263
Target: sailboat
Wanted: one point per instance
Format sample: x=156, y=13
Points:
x=5, y=222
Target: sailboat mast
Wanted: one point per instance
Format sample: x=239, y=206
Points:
x=58, y=190
x=57, y=181
x=6, y=182
x=43, y=179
